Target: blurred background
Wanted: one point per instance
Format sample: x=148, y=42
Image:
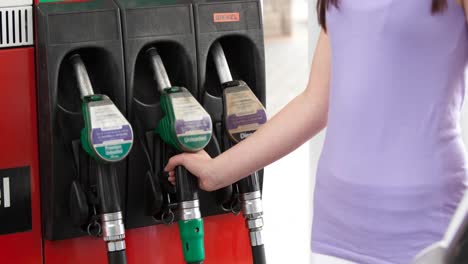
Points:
x=290, y=34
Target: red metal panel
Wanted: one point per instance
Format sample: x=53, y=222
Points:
x=226, y=242
x=18, y=141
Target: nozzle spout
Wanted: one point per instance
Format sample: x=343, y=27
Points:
x=82, y=77
x=221, y=63
x=160, y=74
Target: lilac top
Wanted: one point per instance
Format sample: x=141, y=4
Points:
x=393, y=167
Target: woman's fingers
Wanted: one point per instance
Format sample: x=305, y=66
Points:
x=174, y=162
x=172, y=178
x=193, y=162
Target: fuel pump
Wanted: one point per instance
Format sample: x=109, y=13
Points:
x=186, y=127
x=243, y=115
x=107, y=137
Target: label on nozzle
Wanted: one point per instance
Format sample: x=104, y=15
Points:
x=244, y=112
x=192, y=123
x=111, y=135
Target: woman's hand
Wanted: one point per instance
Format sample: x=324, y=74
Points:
x=200, y=164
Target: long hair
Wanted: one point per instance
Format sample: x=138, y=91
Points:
x=322, y=5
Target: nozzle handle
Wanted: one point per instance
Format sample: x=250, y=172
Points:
x=222, y=66
x=108, y=189
x=159, y=71
x=82, y=77
x=187, y=185
x=117, y=257
x=249, y=184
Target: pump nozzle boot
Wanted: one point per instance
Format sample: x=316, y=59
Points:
x=243, y=115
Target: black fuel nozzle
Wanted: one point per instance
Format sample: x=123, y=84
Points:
x=243, y=114
x=107, y=137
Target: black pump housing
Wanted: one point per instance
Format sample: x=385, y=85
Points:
x=92, y=30
x=238, y=26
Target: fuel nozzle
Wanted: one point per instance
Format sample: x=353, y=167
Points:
x=107, y=137
x=243, y=115
x=186, y=127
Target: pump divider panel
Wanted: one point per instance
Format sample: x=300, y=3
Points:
x=239, y=28
x=93, y=30
x=169, y=28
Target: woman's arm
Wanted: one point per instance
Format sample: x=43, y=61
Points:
x=304, y=117
x=464, y=4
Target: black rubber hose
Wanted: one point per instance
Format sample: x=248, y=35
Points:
x=186, y=184
x=108, y=189
x=223, y=195
x=117, y=257
x=249, y=184
x=258, y=254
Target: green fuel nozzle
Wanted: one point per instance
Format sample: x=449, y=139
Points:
x=243, y=114
x=107, y=137
x=186, y=127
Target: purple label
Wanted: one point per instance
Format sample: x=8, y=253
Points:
x=183, y=127
x=234, y=121
x=99, y=136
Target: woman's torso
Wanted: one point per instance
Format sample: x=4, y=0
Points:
x=393, y=166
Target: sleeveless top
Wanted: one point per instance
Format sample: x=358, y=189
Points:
x=393, y=168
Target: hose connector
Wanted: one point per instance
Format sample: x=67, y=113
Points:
x=190, y=210
x=113, y=231
x=252, y=209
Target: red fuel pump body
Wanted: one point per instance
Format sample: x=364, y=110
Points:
x=225, y=239
x=20, y=226
x=225, y=243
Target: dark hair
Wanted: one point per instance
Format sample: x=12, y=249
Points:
x=322, y=5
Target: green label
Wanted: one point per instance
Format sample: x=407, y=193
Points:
x=108, y=134
x=195, y=141
x=113, y=152
x=192, y=123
